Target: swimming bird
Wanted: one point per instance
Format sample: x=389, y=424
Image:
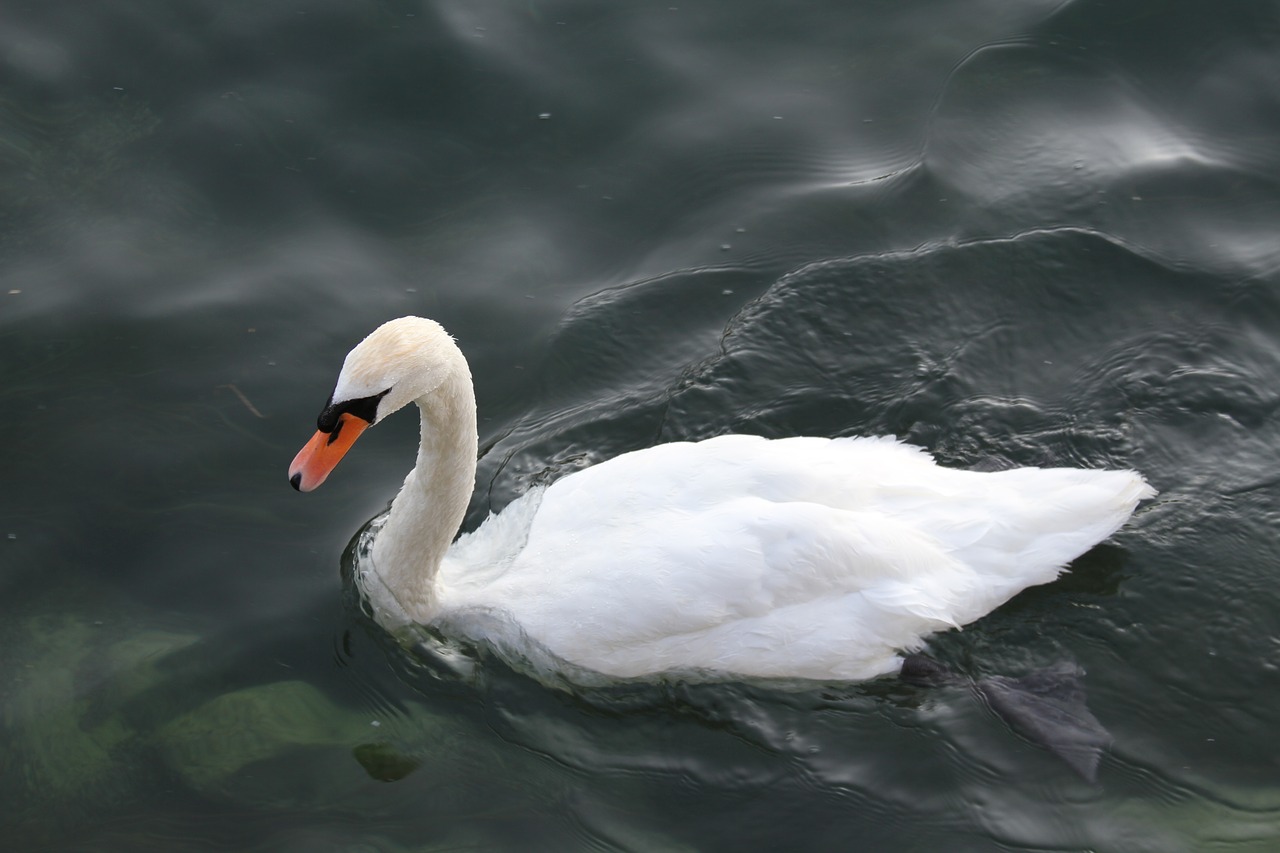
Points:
x=738, y=556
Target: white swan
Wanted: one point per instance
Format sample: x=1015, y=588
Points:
x=795, y=558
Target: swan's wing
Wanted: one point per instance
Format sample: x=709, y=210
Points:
x=748, y=586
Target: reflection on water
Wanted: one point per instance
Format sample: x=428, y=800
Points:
x=1031, y=233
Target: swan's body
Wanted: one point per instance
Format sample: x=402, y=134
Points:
x=798, y=558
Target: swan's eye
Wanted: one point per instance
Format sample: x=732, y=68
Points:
x=337, y=428
x=365, y=408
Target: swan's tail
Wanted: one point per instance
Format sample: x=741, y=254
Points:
x=1067, y=511
x=1041, y=520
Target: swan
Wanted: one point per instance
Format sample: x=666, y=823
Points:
x=800, y=558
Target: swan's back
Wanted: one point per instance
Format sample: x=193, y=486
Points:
x=794, y=558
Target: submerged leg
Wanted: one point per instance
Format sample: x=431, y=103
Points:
x=1047, y=707
x=924, y=671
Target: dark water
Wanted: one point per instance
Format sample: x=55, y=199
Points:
x=1028, y=232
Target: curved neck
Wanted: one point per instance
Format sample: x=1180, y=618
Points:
x=426, y=515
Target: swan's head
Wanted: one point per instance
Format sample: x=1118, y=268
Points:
x=401, y=361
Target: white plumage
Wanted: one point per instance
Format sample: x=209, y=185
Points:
x=795, y=558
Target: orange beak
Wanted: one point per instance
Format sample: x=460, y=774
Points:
x=324, y=451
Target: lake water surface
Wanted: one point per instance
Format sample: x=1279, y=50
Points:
x=1032, y=233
